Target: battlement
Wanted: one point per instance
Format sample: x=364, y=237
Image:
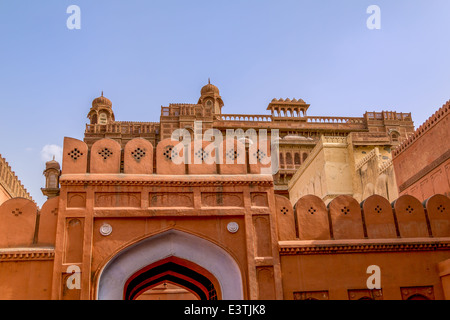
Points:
x=170, y=157
x=344, y=218
x=10, y=182
x=123, y=127
x=425, y=127
x=388, y=115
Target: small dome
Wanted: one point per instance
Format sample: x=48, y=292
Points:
x=52, y=164
x=288, y=100
x=102, y=102
x=274, y=100
x=209, y=88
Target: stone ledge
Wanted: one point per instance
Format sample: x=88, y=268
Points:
x=170, y=180
x=304, y=247
x=26, y=254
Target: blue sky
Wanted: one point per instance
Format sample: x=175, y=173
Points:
x=144, y=54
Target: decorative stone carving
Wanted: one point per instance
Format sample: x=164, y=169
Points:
x=106, y=229
x=233, y=227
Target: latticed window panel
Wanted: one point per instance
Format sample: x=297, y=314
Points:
x=138, y=154
x=105, y=153
x=75, y=154
x=201, y=154
x=259, y=155
x=170, y=153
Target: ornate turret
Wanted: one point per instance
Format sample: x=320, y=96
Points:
x=287, y=108
x=101, y=111
x=210, y=97
x=52, y=172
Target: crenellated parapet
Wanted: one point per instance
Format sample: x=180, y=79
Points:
x=422, y=162
x=423, y=129
x=344, y=218
x=170, y=157
x=10, y=184
x=24, y=225
x=287, y=108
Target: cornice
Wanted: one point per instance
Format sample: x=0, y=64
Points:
x=26, y=254
x=165, y=180
x=303, y=247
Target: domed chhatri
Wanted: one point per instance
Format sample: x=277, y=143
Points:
x=101, y=111
x=209, y=88
x=210, y=97
x=52, y=164
x=102, y=102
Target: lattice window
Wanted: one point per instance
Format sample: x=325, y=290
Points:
x=232, y=154
x=409, y=209
x=297, y=159
x=170, y=152
x=259, y=155
x=75, y=154
x=201, y=154
x=288, y=158
x=138, y=154
x=105, y=153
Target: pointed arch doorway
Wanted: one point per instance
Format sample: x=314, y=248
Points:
x=178, y=272
x=175, y=257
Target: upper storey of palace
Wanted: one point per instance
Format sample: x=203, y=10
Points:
x=290, y=117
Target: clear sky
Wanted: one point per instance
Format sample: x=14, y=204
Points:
x=144, y=54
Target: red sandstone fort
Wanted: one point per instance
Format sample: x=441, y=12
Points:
x=124, y=220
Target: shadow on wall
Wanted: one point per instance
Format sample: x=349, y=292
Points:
x=374, y=218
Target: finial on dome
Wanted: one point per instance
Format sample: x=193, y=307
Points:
x=209, y=81
x=102, y=93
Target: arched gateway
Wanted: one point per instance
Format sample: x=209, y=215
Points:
x=174, y=256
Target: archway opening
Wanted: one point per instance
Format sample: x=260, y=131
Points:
x=167, y=291
x=177, y=272
x=418, y=297
x=179, y=256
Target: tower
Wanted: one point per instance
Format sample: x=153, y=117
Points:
x=101, y=111
x=210, y=97
x=52, y=172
